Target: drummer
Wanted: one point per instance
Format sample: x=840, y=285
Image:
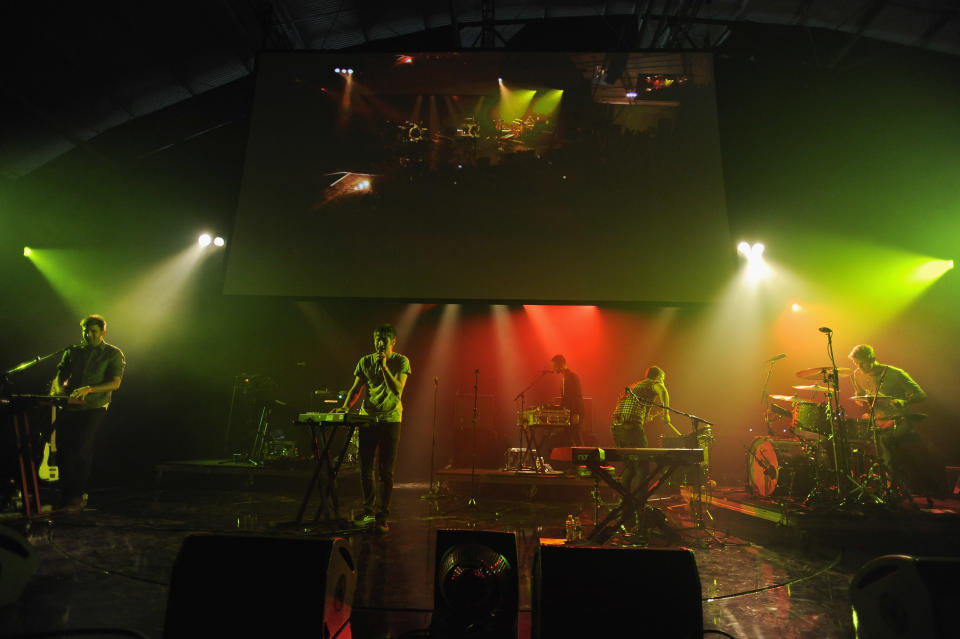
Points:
x=892, y=386
x=891, y=390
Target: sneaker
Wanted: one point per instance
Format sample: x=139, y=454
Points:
x=364, y=519
x=382, y=526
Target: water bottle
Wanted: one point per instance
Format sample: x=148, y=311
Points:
x=577, y=530
x=570, y=527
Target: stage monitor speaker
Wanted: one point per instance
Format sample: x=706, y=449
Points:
x=589, y=591
x=901, y=597
x=18, y=563
x=475, y=587
x=254, y=586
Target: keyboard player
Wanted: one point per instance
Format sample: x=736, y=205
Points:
x=630, y=417
x=384, y=374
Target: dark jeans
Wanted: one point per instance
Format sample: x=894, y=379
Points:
x=910, y=459
x=631, y=436
x=76, y=436
x=378, y=443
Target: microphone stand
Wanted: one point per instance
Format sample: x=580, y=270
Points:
x=522, y=396
x=434, y=492
x=472, y=502
x=765, y=400
x=839, y=467
x=5, y=376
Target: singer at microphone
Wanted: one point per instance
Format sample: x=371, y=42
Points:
x=384, y=374
x=89, y=373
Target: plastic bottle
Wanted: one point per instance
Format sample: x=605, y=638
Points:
x=570, y=527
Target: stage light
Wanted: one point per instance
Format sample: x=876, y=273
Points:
x=349, y=71
x=931, y=270
x=631, y=94
x=219, y=241
x=796, y=308
x=27, y=251
x=500, y=80
x=204, y=240
x=336, y=70
x=757, y=269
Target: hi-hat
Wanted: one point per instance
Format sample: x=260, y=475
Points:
x=813, y=387
x=820, y=371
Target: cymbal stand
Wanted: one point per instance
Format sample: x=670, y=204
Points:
x=890, y=486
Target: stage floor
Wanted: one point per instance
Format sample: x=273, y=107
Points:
x=110, y=566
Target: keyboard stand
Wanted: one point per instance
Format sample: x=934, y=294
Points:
x=532, y=449
x=326, y=472
x=660, y=472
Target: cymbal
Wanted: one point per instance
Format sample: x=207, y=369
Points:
x=819, y=371
x=813, y=387
x=783, y=398
x=869, y=398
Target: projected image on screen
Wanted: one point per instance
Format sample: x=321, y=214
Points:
x=488, y=175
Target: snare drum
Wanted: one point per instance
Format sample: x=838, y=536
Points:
x=810, y=416
x=779, y=468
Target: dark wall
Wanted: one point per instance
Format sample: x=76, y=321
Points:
x=863, y=150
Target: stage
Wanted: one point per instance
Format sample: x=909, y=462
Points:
x=766, y=568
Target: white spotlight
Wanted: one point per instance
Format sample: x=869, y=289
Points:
x=218, y=241
x=204, y=240
x=743, y=249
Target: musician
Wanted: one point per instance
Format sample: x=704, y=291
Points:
x=571, y=397
x=903, y=452
x=88, y=373
x=384, y=374
x=630, y=416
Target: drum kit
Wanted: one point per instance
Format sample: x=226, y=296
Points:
x=826, y=457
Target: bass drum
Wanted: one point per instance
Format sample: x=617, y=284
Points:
x=779, y=468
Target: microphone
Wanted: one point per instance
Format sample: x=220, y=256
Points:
x=776, y=357
x=824, y=329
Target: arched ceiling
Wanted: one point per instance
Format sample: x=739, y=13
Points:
x=76, y=70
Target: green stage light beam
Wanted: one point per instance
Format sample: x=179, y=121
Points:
x=546, y=102
x=75, y=276
x=158, y=295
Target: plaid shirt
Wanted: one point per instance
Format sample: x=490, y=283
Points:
x=629, y=411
